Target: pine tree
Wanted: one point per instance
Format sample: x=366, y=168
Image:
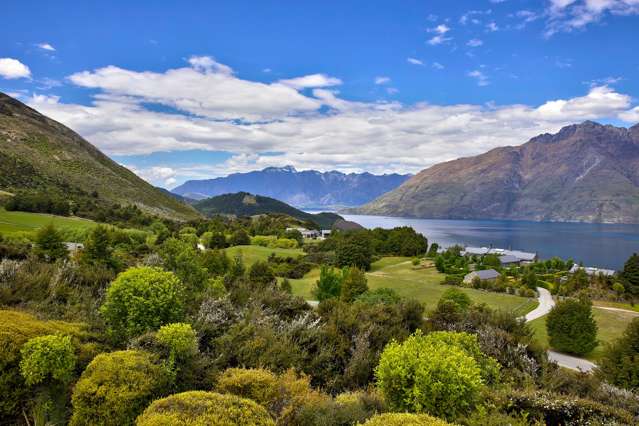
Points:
x=630, y=274
x=49, y=244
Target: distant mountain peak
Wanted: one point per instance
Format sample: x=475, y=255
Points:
x=585, y=172
x=285, y=169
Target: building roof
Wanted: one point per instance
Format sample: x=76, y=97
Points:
x=476, y=250
x=509, y=259
x=590, y=270
x=487, y=274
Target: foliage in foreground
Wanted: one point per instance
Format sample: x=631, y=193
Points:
x=571, y=327
x=620, y=363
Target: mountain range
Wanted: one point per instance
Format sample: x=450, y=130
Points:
x=586, y=172
x=40, y=155
x=302, y=189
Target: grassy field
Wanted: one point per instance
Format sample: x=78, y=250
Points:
x=252, y=254
x=13, y=222
x=421, y=284
x=611, y=326
x=619, y=305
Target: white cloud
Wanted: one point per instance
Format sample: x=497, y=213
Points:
x=12, y=68
x=313, y=80
x=438, y=66
x=492, y=27
x=475, y=42
x=46, y=46
x=156, y=175
x=630, y=116
x=350, y=136
x=414, y=61
x=208, y=89
x=481, y=78
x=392, y=90
x=569, y=15
x=439, y=29
x=438, y=39
x=382, y=80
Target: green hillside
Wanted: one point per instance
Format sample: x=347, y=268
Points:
x=12, y=222
x=39, y=155
x=245, y=204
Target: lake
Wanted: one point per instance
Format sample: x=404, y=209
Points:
x=601, y=245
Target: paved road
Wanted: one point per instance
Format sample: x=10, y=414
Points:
x=546, y=303
x=571, y=362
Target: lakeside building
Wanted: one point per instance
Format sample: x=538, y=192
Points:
x=484, y=275
x=312, y=234
x=507, y=257
x=590, y=270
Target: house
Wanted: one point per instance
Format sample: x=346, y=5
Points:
x=509, y=260
x=474, y=251
x=306, y=233
x=522, y=256
x=485, y=275
x=592, y=270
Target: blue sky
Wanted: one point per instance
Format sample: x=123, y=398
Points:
x=201, y=89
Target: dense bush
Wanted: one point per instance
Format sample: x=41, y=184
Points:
x=630, y=274
x=45, y=358
x=142, y=299
x=437, y=375
x=620, y=362
x=354, y=249
x=329, y=284
x=456, y=296
x=49, y=244
x=198, y=408
x=115, y=388
x=179, y=338
x=353, y=284
x=571, y=327
x=404, y=419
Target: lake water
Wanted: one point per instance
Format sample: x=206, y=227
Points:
x=604, y=246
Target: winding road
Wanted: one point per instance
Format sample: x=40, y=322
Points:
x=546, y=303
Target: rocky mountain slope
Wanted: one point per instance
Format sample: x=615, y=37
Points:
x=586, y=172
x=305, y=189
x=41, y=155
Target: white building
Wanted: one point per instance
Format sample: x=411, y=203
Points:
x=590, y=270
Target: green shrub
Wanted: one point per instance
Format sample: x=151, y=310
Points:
x=179, y=338
x=436, y=375
x=142, y=299
x=329, y=284
x=198, y=408
x=457, y=296
x=115, y=388
x=16, y=328
x=45, y=358
x=404, y=419
x=263, y=240
x=571, y=327
x=259, y=385
x=49, y=244
x=620, y=362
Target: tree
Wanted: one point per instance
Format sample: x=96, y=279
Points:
x=115, y=387
x=620, y=362
x=529, y=279
x=354, y=250
x=261, y=274
x=432, y=251
x=296, y=235
x=96, y=248
x=456, y=296
x=491, y=260
x=285, y=286
x=571, y=327
x=142, y=299
x=217, y=241
x=430, y=374
x=630, y=274
x=204, y=408
x=329, y=284
x=353, y=284
x=49, y=244
x=240, y=238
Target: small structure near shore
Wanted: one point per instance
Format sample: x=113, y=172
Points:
x=484, y=275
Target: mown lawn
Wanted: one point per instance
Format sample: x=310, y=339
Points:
x=12, y=222
x=252, y=254
x=611, y=326
x=419, y=283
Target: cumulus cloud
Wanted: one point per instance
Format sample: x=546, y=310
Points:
x=438, y=66
x=334, y=133
x=382, y=80
x=12, y=68
x=414, y=61
x=440, y=34
x=207, y=88
x=46, y=46
x=569, y=15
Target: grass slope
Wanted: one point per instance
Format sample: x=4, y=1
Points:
x=421, y=284
x=611, y=326
x=252, y=254
x=42, y=155
x=245, y=204
x=13, y=222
